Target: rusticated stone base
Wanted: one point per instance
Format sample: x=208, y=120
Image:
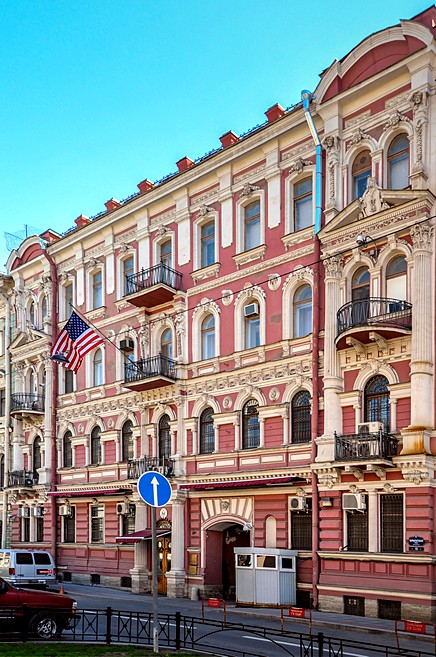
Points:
x=175, y=584
x=416, y=440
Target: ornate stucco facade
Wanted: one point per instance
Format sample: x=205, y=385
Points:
x=281, y=377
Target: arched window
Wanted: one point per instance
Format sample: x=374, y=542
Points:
x=250, y=425
x=44, y=310
x=166, y=343
x=95, y=446
x=67, y=450
x=207, y=433
x=32, y=382
x=398, y=163
x=208, y=337
x=251, y=225
x=361, y=171
x=360, y=284
x=303, y=311
x=207, y=238
x=31, y=311
x=127, y=441
x=303, y=206
x=97, y=289
x=2, y=470
x=37, y=453
x=301, y=417
x=251, y=325
x=164, y=438
x=376, y=405
x=97, y=368
x=396, y=278
x=68, y=300
x=127, y=271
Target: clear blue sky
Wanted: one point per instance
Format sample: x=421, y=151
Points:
x=97, y=95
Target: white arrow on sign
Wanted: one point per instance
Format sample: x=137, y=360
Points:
x=154, y=482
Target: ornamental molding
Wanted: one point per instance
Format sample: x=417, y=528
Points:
x=333, y=266
x=248, y=190
x=397, y=100
x=296, y=152
x=274, y=281
x=250, y=290
x=298, y=165
x=293, y=239
x=92, y=263
x=206, y=305
x=360, y=118
x=206, y=272
x=248, y=256
x=125, y=237
x=395, y=119
x=372, y=201
x=422, y=237
x=356, y=137
x=205, y=210
x=207, y=196
x=328, y=477
x=249, y=174
x=170, y=215
x=356, y=472
x=100, y=409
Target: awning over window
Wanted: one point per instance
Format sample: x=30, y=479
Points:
x=242, y=483
x=142, y=535
x=89, y=493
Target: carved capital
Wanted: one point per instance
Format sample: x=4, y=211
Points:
x=422, y=235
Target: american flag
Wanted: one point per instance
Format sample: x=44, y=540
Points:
x=75, y=340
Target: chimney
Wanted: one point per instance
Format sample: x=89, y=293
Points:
x=50, y=236
x=275, y=112
x=112, y=204
x=82, y=220
x=228, y=139
x=184, y=164
x=145, y=186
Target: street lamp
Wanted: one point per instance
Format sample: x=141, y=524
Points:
x=362, y=241
x=59, y=358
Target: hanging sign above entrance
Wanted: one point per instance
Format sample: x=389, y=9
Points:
x=154, y=488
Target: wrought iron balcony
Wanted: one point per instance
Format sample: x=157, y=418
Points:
x=365, y=446
x=388, y=317
x=22, y=479
x=23, y=402
x=151, y=287
x=137, y=467
x=148, y=373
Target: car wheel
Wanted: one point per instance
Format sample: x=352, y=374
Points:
x=45, y=627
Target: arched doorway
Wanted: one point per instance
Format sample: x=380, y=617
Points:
x=221, y=539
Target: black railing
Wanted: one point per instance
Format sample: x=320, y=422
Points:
x=147, y=368
x=365, y=446
x=160, y=274
x=24, y=401
x=375, y=312
x=24, y=478
x=191, y=633
x=137, y=467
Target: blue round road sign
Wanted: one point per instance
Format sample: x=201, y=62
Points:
x=154, y=488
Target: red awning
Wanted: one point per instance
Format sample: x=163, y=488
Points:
x=142, y=535
x=88, y=493
x=242, y=483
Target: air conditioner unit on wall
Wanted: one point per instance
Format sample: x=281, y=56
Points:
x=353, y=502
x=298, y=504
x=251, y=309
x=123, y=508
x=370, y=427
x=64, y=510
x=24, y=511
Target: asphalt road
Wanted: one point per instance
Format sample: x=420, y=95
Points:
x=251, y=640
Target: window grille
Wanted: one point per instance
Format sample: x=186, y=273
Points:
x=67, y=450
x=301, y=528
x=377, y=407
x=301, y=417
x=164, y=437
x=37, y=454
x=97, y=516
x=39, y=530
x=207, y=433
x=70, y=526
x=389, y=609
x=392, y=523
x=250, y=425
x=357, y=531
x=127, y=440
x=95, y=446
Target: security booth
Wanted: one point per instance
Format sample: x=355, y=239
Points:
x=265, y=577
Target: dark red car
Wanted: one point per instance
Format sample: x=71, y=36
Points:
x=42, y=613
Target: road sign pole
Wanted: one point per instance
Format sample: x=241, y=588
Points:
x=154, y=557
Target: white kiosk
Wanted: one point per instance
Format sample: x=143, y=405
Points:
x=265, y=577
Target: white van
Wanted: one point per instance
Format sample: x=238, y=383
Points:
x=27, y=567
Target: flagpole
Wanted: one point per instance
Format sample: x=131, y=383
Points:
x=88, y=321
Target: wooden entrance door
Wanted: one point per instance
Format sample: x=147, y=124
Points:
x=164, y=563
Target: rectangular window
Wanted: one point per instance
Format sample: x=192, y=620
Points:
x=357, y=531
x=70, y=526
x=25, y=533
x=68, y=381
x=252, y=226
x=301, y=528
x=39, y=533
x=2, y=402
x=97, y=518
x=97, y=290
x=127, y=271
x=252, y=332
x=128, y=521
x=208, y=244
x=68, y=298
x=303, y=206
x=391, y=523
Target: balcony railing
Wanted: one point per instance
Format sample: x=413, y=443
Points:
x=22, y=478
x=137, y=467
x=23, y=401
x=147, y=368
x=391, y=313
x=365, y=447
x=160, y=274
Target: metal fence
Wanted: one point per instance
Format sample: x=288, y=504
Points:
x=212, y=636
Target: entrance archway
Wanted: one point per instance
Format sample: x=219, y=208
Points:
x=221, y=539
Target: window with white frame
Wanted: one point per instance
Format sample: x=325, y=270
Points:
x=164, y=437
x=166, y=253
x=97, y=368
x=166, y=343
x=37, y=454
x=97, y=523
x=207, y=433
x=398, y=163
x=67, y=300
x=252, y=228
x=67, y=450
x=44, y=310
x=128, y=265
x=251, y=325
x=207, y=244
x=127, y=441
x=303, y=204
x=70, y=526
x=360, y=172
x=250, y=425
x=302, y=311
x=208, y=337
x=97, y=289
x=396, y=278
x=31, y=313
x=95, y=446
x=68, y=376
x=301, y=426
x=392, y=523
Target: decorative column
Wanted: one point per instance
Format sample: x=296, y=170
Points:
x=237, y=422
x=139, y=573
x=333, y=384
x=416, y=437
x=45, y=472
x=261, y=432
x=176, y=576
x=372, y=521
x=331, y=146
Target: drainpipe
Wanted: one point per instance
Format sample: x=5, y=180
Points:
x=53, y=401
x=306, y=97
